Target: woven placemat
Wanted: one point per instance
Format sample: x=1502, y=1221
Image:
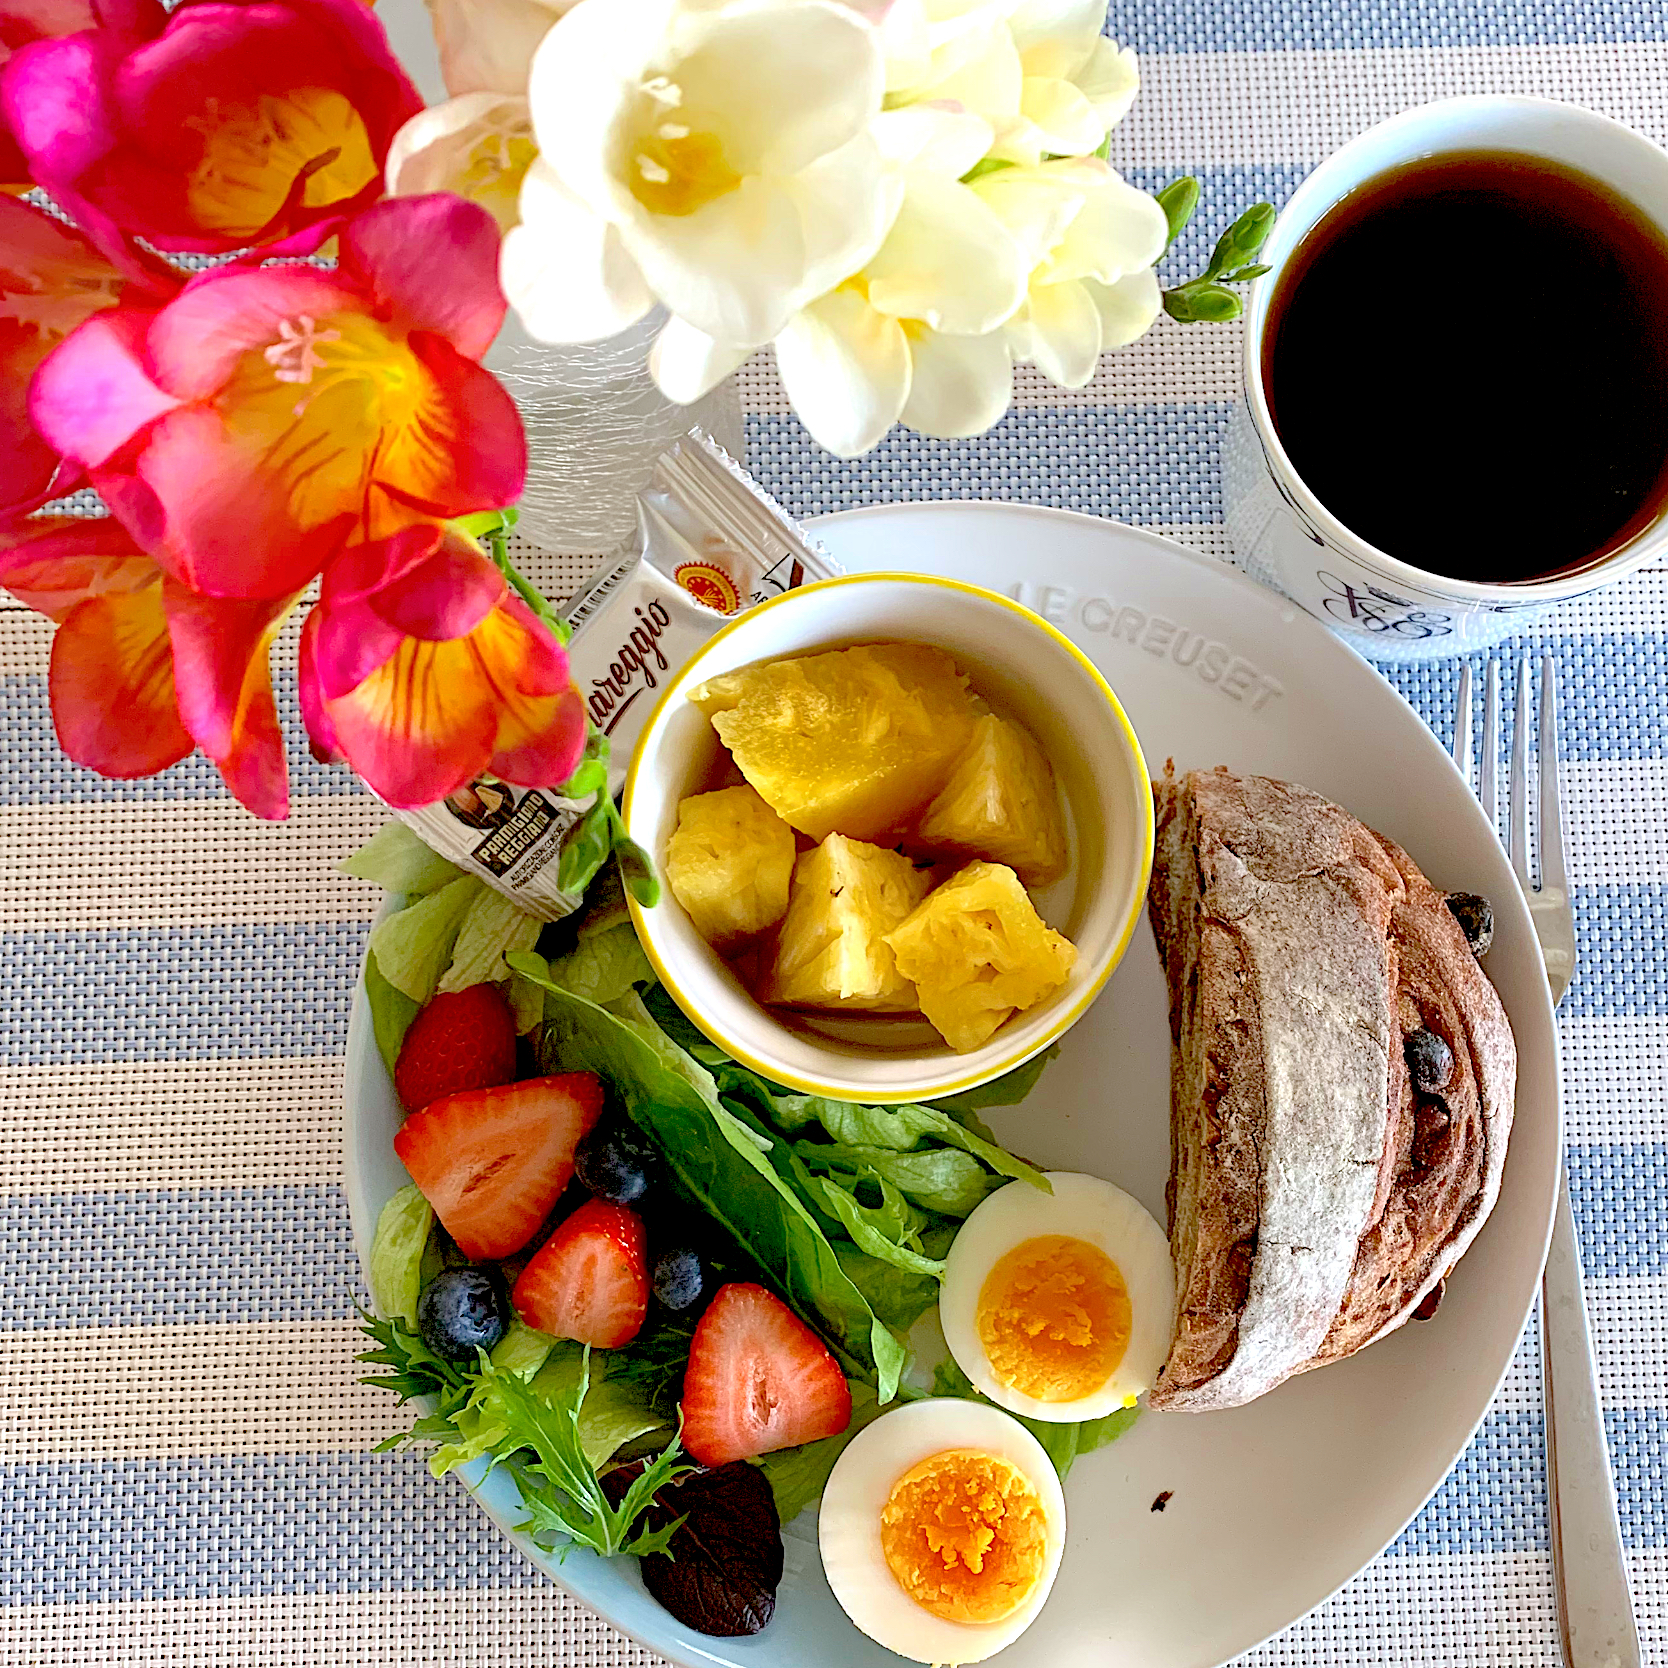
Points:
x=185, y=1464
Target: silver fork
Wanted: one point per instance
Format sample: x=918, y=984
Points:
x=1595, y=1609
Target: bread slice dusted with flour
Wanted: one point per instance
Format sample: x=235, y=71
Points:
x=1342, y=1079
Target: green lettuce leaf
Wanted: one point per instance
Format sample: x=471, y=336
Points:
x=555, y=1474
x=902, y=1128
x=397, y=861
x=797, y=1476
x=413, y=947
x=614, y=1411
x=653, y=1363
x=1061, y=1442
x=522, y=1350
x=609, y=1415
x=413, y=1369
x=691, y=1038
x=897, y=1296
x=717, y=1162
x=526, y=1002
x=392, y=1012
x=402, y=1232
x=946, y=1180
x=630, y=1011
x=603, y=966
x=1096, y=1433
x=884, y=1231
x=1007, y=1090
x=491, y=928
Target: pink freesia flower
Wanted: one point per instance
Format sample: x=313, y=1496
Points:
x=23, y=22
x=422, y=671
x=51, y=280
x=248, y=428
x=245, y=122
x=142, y=670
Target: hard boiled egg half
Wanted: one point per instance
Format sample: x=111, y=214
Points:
x=1059, y=1305
x=941, y=1530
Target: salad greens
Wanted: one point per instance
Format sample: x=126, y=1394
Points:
x=553, y=1430
x=846, y=1210
x=396, y=1272
x=413, y=947
x=1007, y=1090
x=889, y=1231
x=452, y=931
x=897, y=1296
x=399, y=862
x=392, y=1012
x=797, y=1476
x=717, y=1163
x=602, y=967
x=1063, y=1443
x=900, y=1128
x=492, y=928
x=938, y=1179
x=565, y=1502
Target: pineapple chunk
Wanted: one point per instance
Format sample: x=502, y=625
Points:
x=832, y=951
x=1001, y=803
x=978, y=952
x=729, y=863
x=854, y=741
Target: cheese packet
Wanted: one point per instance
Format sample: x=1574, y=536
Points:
x=710, y=543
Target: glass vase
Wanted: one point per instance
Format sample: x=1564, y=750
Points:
x=595, y=424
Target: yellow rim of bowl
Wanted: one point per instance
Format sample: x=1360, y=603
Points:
x=810, y=1085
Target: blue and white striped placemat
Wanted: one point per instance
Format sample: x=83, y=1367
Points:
x=185, y=1474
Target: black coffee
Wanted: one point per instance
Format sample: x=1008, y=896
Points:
x=1467, y=363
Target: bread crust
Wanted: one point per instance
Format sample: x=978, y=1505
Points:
x=1315, y=1198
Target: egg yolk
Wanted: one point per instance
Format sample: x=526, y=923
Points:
x=1054, y=1317
x=966, y=1535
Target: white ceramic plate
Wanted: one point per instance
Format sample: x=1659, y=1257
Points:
x=1272, y=1506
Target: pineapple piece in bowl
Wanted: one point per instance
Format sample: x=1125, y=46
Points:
x=1001, y=803
x=729, y=864
x=977, y=953
x=832, y=950
x=1027, y=673
x=853, y=741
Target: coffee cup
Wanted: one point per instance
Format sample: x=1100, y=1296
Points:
x=1282, y=531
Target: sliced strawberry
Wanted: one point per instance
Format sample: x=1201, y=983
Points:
x=463, y=1039
x=493, y=1161
x=590, y=1279
x=758, y=1379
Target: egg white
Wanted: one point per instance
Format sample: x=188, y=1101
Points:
x=848, y=1529
x=1086, y=1208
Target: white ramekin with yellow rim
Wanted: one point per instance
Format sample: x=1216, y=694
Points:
x=1023, y=667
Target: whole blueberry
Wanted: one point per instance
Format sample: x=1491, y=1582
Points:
x=1430, y=1062
x=462, y=1310
x=615, y=1163
x=1476, y=918
x=679, y=1278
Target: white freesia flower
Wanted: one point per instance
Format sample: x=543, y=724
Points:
x=479, y=145
x=927, y=41
x=725, y=148
x=1077, y=85
x=486, y=46
x=1041, y=73
x=565, y=269
x=915, y=336
x=1090, y=241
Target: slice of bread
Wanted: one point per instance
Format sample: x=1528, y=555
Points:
x=1316, y=1196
